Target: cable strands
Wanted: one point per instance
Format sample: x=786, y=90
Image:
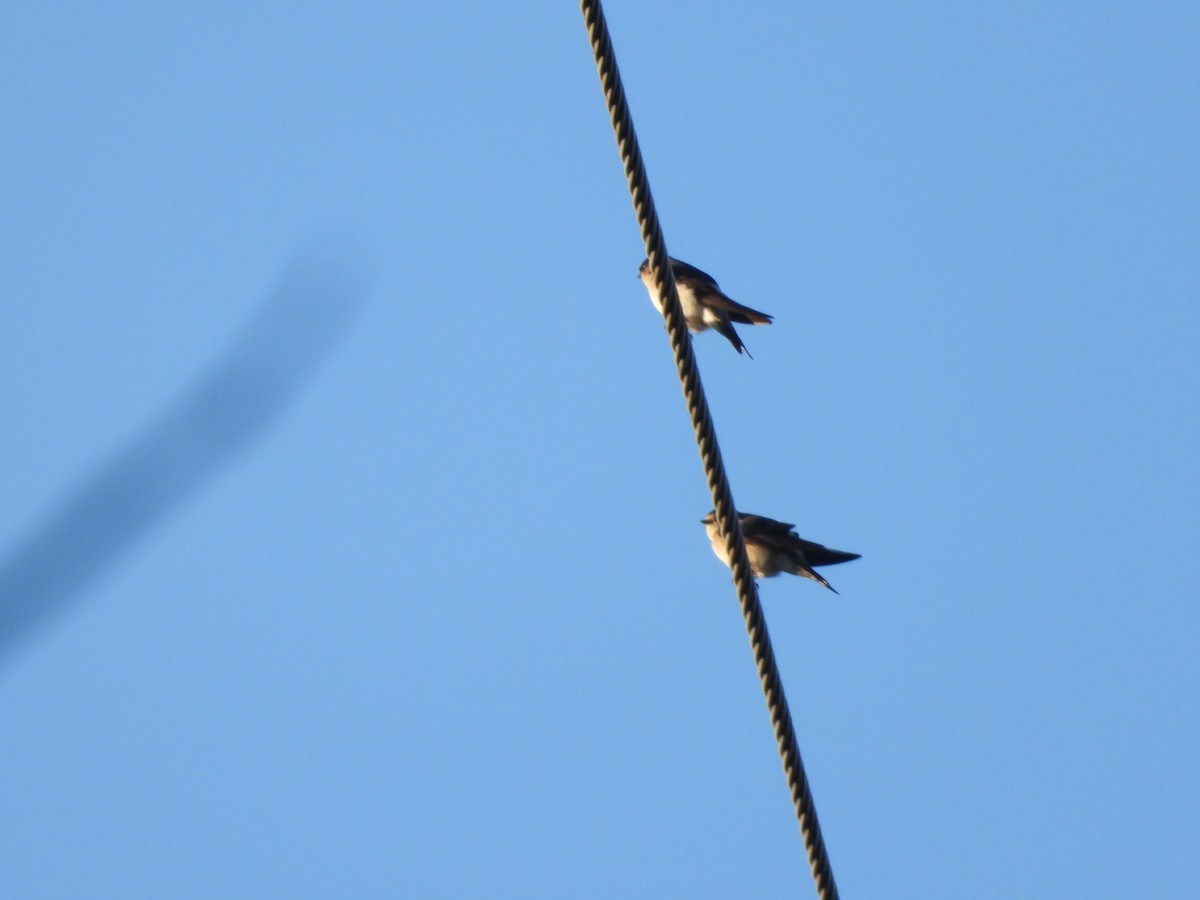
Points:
x=710, y=453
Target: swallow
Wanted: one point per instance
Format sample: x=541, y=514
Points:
x=773, y=547
x=704, y=304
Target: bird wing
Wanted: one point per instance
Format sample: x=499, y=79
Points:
x=701, y=281
x=705, y=287
x=736, y=311
x=761, y=526
x=781, y=536
x=819, y=555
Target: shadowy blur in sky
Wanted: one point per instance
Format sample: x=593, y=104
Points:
x=180, y=451
x=449, y=626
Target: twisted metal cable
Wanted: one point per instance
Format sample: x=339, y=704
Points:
x=710, y=453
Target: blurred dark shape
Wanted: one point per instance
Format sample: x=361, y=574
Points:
x=207, y=428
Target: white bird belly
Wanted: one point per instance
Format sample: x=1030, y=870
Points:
x=694, y=312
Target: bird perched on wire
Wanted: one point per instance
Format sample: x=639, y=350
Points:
x=704, y=304
x=773, y=547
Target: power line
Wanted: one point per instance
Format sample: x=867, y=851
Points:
x=710, y=453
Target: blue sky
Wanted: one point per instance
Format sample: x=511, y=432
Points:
x=445, y=623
